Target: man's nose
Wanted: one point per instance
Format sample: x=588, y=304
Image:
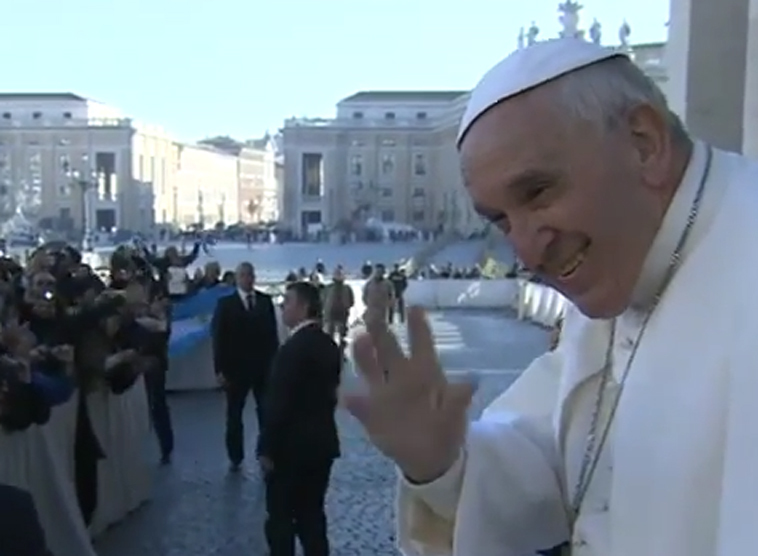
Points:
x=530, y=239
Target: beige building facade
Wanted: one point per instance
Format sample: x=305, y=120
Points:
x=258, y=187
x=381, y=157
x=207, y=191
x=70, y=163
x=67, y=162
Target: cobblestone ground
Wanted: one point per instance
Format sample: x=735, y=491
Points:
x=199, y=509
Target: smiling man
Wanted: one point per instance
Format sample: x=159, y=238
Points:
x=646, y=441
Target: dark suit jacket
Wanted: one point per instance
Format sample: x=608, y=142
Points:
x=244, y=342
x=298, y=410
x=20, y=531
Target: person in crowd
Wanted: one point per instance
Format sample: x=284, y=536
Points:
x=172, y=268
x=339, y=300
x=378, y=295
x=298, y=442
x=245, y=336
x=367, y=269
x=399, y=282
x=228, y=278
x=211, y=275
x=147, y=322
x=21, y=533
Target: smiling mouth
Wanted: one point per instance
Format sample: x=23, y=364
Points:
x=569, y=268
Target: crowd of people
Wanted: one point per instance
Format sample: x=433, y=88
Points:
x=66, y=333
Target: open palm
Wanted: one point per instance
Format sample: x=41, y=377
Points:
x=411, y=412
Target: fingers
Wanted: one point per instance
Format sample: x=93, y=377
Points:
x=388, y=351
x=365, y=358
x=359, y=406
x=458, y=396
x=423, y=352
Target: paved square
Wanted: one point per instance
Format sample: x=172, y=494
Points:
x=199, y=509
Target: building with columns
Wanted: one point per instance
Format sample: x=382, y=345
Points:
x=391, y=155
x=65, y=159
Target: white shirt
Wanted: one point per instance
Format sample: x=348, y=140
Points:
x=298, y=327
x=177, y=280
x=246, y=298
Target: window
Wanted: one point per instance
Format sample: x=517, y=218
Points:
x=388, y=215
x=63, y=142
x=357, y=115
x=389, y=115
x=63, y=190
x=418, y=216
x=421, y=115
x=419, y=165
x=388, y=164
x=386, y=192
x=6, y=115
x=418, y=192
x=357, y=143
x=312, y=180
x=388, y=142
x=36, y=115
x=356, y=165
x=67, y=115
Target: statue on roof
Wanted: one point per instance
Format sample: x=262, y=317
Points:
x=521, y=38
x=532, y=33
x=624, y=31
x=596, y=32
x=569, y=18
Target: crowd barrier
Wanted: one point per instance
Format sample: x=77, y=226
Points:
x=41, y=461
x=191, y=355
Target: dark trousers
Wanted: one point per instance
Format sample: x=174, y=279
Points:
x=338, y=327
x=398, y=306
x=236, y=397
x=295, y=493
x=155, y=382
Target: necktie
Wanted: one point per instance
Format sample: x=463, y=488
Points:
x=250, y=302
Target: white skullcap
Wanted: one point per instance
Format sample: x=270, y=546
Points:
x=528, y=68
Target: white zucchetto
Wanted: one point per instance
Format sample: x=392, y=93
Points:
x=528, y=68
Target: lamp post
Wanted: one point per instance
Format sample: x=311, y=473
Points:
x=83, y=181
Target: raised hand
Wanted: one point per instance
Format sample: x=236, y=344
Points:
x=411, y=412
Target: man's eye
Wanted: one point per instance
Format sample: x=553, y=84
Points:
x=535, y=193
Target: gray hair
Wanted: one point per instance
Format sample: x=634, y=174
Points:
x=604, y=93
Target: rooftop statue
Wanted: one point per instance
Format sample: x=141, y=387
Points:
x=596, y=32
x=624, y=32
x=532, y=33
x=569, y=19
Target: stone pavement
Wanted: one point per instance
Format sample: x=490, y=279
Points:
x=199, y=509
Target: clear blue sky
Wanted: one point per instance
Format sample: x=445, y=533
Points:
x=239, y=67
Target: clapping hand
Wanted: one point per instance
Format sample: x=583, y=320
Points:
x=411, y=412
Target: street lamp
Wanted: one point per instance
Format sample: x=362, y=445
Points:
x=83, y=182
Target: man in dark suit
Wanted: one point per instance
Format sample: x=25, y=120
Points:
x=20, y=531
x=245, y=338
x=298, y=442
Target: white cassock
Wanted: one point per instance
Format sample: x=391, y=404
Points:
x=679, y=473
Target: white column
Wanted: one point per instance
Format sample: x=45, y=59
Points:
x=750, y=116
x=705, y=58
